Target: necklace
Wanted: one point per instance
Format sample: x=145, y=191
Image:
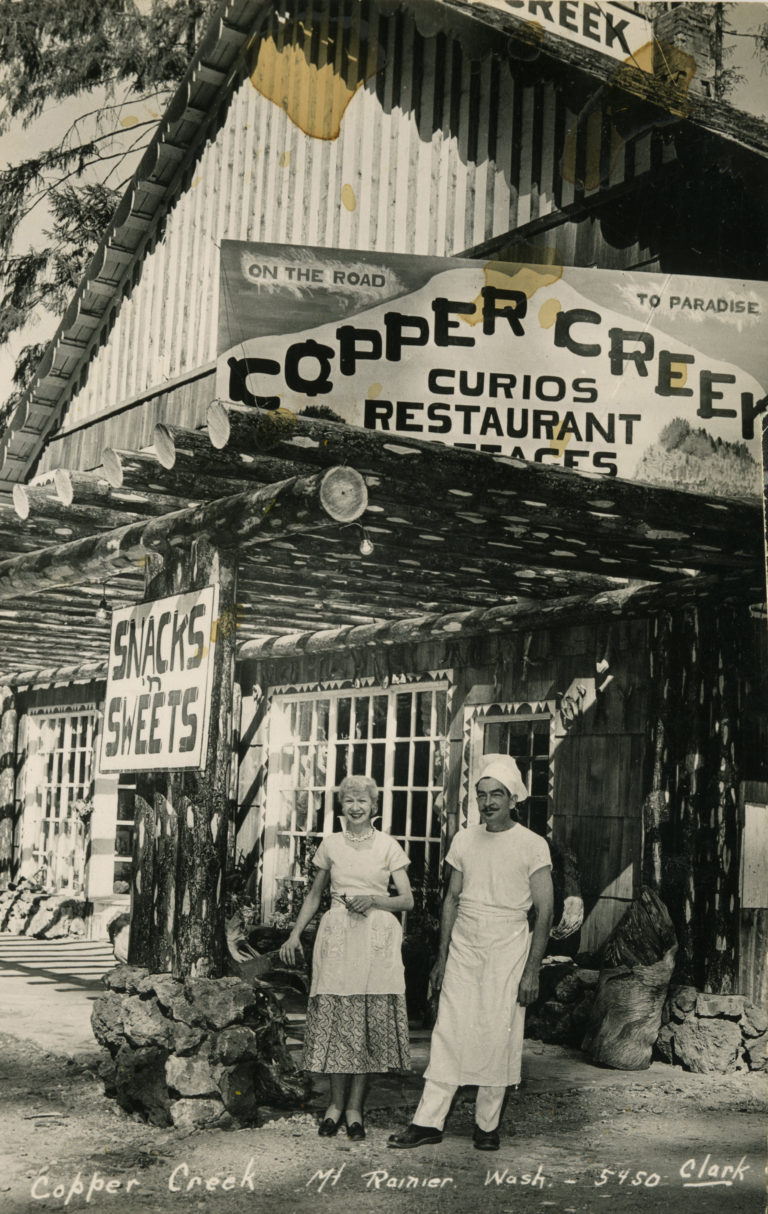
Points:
x=356, y=839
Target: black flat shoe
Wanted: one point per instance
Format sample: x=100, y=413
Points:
x=355, y=1131
x=329, y=1127
x=485, y=1140
x=415, y=1136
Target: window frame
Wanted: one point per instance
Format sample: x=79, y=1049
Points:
x=476, y=717
x=282, y=697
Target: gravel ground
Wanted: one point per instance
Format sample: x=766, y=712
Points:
x=690, y=1142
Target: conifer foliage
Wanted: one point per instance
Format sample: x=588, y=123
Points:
x=107, y=53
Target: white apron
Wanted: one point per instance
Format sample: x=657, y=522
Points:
x=478, y=1037
x=358, y=954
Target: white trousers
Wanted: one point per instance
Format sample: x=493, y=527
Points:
x=436, y=1101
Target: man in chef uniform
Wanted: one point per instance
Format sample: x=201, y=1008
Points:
x=487, y=969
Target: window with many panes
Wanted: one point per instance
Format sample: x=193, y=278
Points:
x=525, y=732
x=124, y=832
x=528, y=743
x=396, y=736
x=64, y=754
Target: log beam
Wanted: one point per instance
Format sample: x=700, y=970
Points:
x=632, y=601
x=585, y=505
x=256, y=516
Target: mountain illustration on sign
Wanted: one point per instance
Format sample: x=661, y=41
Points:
x=690, y=458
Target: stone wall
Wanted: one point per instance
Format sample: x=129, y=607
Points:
x=197, y=1052
x=27, y=909
x=717, y=1033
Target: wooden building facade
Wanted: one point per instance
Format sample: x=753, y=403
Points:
x=626, y=673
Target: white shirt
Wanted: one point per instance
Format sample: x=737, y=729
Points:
x=497, y=865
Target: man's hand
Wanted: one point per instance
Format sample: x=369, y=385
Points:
x=528, y=990
x=570, y=920
x=436, y=975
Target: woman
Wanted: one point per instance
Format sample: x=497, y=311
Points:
x=356, y=1017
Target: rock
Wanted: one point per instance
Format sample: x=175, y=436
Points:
x=164, y=986
x=720, y=1005
x=568, y=989
x=684, y=998
x=756, y=1052
x=144, y=1024
x=188, y=1113
x=119, y=932
x=185, y=1037
x=45, y=914
x=276, y=1083
x=709, y=1044
x=755, y=1020
x=588, y=978
x=69, y=909
x=140, y=1085
x=232, y=1045
x=192, y=1076
x=664, y=1044
x=21, y=912
x=221, y=1001
x=125, y=978
x=238, y=1091
x=107, y=1021
x=186, y=1013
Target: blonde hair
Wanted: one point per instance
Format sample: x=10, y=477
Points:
x=362, y=784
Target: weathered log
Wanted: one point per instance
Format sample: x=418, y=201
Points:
x=141, y=472
x=630, y=602
x=252, y=517
x=643, y=936
x=95, y=489
x=700, y=661
x=526, y=485
x=31, y=501
x=79, y=672
x=8, y=723
x=187, y=451
x=181, y=848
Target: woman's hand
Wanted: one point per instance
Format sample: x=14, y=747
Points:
x=359, y=903
x=289, y=950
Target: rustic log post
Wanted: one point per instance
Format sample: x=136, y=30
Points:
x=691, y=812
x=177, y=922
x=8, y=724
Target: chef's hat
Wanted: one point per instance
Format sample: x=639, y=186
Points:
x=504, y=769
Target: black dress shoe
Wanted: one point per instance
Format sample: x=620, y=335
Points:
x=485, y=1140
x=329, y=1127
x=355, y=1131
x=415, y=1136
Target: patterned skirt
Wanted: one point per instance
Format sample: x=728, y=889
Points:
x=356, y=1034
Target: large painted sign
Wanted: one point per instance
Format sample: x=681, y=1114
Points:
x=641, y=375
x=613, y=29
x=159, y=684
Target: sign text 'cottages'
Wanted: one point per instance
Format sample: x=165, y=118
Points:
x=642, y=375
x=159, y=684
